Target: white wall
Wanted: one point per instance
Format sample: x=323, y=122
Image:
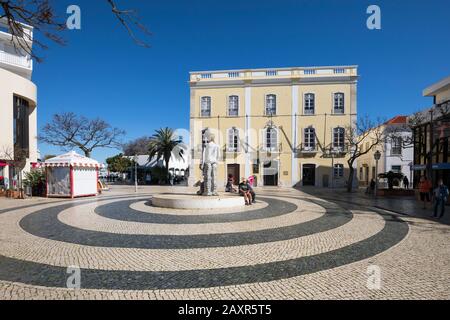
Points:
x=85, y=181
x=404, y=160
x=12, y=84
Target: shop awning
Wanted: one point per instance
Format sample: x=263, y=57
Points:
x=3, y=164
x=435, y=166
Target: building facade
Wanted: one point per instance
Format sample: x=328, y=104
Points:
x=285, y=126
x=431, y=135
x=18, y=106
x=178, y=164
x=396, y=152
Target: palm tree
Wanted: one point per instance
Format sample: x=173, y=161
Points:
x=162, y=145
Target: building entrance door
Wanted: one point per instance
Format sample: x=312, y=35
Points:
x=309, y=174
x=270, y=173
x=234, y=169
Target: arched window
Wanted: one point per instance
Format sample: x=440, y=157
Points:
x=233, y=106
x=271, y=105
x=338, y=138
x=310, y=103
x=310, y=139
x=339, y=104
x=233, y=140
x=271, y=139
x=205, y=107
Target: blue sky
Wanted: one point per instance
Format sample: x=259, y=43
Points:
x=102, y=72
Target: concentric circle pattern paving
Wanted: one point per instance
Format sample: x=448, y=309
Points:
x=123, y=243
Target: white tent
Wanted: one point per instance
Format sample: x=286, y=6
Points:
x=72, y=175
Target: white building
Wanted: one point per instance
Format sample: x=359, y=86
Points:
x=396, y=151
x=18, y=104
x=178, y=166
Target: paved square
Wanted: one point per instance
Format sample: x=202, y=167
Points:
x=290, y=245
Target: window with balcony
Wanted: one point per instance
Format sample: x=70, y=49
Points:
x=339, y=107
x=205, y=107
x=338, y=170
x=271, y=105
x=310, y=103
x=396, y=146
x=271, y=139
x=338, y=138
x=233, y=140
x=233, y=106
x=310, y=139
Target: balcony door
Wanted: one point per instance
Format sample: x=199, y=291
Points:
x=270, y=173
x=234, y=170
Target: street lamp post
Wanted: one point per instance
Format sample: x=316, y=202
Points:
x=377, y=157
x=135, y=174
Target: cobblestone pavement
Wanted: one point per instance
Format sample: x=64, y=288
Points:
x=290, y=245
x=404, y=205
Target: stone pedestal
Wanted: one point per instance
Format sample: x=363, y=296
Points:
x=184, y=201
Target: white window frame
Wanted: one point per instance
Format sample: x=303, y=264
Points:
x=307, y=140
x=229, y=105
x=395, y=146
x=201, y=107
x=338, y=170
x=334, y=103
x=338, y=147
x=235, y=146
x=271, y=148
x=305, y=112
x=266, y=109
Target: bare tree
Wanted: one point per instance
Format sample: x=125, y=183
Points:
x=41, y=15
x=137, y=147
x=362, y=132
x=67, y=130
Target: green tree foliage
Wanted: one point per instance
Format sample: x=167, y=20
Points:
x=163, y=145
x=119, y=163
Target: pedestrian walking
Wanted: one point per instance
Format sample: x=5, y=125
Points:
x=440, y=198
x=424, y=190
x=406, y=182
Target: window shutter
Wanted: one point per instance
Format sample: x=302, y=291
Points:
x=274, y=139
x=238, y=132
x=332, y=103
x=332, y=137
x=264, y=138
x=265, y=105
x=302, y=136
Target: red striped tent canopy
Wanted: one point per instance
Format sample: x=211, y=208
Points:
x=72, y=159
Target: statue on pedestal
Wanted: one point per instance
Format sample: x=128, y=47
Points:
x=210, y=156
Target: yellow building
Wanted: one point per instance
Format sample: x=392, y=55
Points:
x=285, y=126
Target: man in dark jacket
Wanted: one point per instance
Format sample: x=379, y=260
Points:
x=440, y=198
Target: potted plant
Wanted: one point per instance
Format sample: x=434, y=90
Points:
x=11, y=193
x=36, y=181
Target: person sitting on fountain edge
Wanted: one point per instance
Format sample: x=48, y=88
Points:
x=244, y=190
x=252, y=192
